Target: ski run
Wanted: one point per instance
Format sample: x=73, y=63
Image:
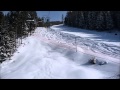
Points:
x=62, y=52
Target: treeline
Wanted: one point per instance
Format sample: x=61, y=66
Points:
x=94, y=20
x=55, y=22
x=43, y=22
x=14, y=26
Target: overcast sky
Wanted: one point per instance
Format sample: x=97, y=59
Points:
x=54, y=15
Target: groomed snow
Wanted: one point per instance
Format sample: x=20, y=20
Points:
x=38, y=60
x=101, y=44
x=47, y=56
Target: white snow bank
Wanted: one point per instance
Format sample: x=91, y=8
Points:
x=37, y=59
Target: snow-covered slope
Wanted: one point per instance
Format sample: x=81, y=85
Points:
x=102, y=44
x=47, y=54
x=36, y=59
x=109, y=38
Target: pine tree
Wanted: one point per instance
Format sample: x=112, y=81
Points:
x=1, y=37
x=92, y=19
x=100, y=22
x=81, y=19
x=117, y=14
x=108, y=20
x=1, y=19
x=62, y=18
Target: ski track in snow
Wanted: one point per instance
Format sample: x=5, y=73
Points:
x=92, y=47
x=101, y=48
x=43, y=62
x=37, y=59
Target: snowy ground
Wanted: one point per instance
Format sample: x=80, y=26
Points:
x=47, y=54
x=104, y=37
x=100, y=44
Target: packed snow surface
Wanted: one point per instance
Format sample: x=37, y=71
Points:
x=51, y=54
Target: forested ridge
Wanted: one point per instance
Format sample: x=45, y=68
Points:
x=94, y=20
